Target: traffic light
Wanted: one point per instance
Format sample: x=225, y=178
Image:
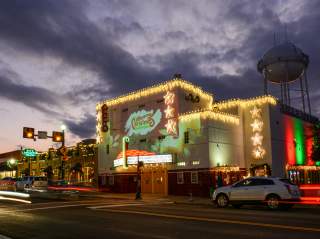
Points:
x=57, y=136
x=28, y=133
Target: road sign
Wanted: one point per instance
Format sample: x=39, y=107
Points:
x=29, y=153
x=63, y=150
x=42, y=135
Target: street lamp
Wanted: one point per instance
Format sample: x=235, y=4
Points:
x=12, y=163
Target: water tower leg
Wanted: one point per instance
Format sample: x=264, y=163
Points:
x=289, y=99
x=281, y=89
x=302, y=95
x=307, y=91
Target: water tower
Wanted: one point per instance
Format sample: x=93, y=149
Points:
x=283, y=65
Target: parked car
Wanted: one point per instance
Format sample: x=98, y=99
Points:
x=8, y=184
x=32, y=182
x=274, y=192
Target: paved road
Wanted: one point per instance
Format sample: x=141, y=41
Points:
x=115, y=218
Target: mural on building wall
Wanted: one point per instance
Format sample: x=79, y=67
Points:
x=142, y=122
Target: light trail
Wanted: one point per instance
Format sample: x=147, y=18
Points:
x=14, y=199
x=14, y=194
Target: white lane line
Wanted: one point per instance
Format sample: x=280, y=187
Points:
x=128, y=205
x=4, y=237
x=116, y=205
x=50, y=207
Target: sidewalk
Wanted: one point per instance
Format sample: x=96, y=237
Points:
x=170, y=198
x=151, y=197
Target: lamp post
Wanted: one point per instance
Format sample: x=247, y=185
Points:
x=12, y=163
x=63, y=128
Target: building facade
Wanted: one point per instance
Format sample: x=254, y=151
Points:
x=190, y=144
x=79, y=167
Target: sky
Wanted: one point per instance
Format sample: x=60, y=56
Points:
x=59, y=58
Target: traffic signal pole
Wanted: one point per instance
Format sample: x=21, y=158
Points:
x=62, y=156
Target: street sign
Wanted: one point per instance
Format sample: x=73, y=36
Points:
x=29, y=153
x=63, y=150
x=42, y=135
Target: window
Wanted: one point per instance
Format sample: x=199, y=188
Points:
x=180, y=179
x=262, y=181
x=143, y=140
x=141, y=106
x=125, y=110
x=186, y=137
x=196, y=162
x=194, y=177
x=160, y=100
x=111, y=180
x=181, y=164
x=108, y=149
x=243, y=183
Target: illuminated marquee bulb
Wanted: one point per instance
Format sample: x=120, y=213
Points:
x=257, y=139
x=257, y=125
x=255, y=112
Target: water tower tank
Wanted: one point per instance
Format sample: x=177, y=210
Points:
x=283, y=63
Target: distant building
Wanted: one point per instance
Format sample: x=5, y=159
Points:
x=8, y=163
x=190, y=143
x=80, y=166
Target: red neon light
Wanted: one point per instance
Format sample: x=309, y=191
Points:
x=62, y=188
x=310, y=187
x=289, y=141
x=309, y=143
x=135, y=152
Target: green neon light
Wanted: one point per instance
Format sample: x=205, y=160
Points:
x=29, y=153
x=300, y=142
x=124, y=151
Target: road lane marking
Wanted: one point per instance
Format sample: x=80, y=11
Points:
x=202, y=219
x=4, y=237
x=51, y=207
x=116, y=205
x=128, y=205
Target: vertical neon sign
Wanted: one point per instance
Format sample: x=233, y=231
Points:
x=258, y=151
x=171, y=124
x=125, y=142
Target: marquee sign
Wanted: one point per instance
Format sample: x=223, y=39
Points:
x=147, y=159
x=142, y=122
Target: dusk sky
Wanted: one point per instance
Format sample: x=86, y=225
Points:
x=59, y=58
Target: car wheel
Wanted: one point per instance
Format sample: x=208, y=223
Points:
x=273, y=202
x=222, y=200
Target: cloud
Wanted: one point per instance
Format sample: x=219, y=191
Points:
x=128, y=45
x=32, y=96
x=85, y=128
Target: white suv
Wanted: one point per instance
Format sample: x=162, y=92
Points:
x=274, y=192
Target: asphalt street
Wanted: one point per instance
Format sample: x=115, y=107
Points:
x=116, y=218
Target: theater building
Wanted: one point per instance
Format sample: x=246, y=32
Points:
x=189, y=143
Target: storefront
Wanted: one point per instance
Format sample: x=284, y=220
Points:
x=188, y=143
